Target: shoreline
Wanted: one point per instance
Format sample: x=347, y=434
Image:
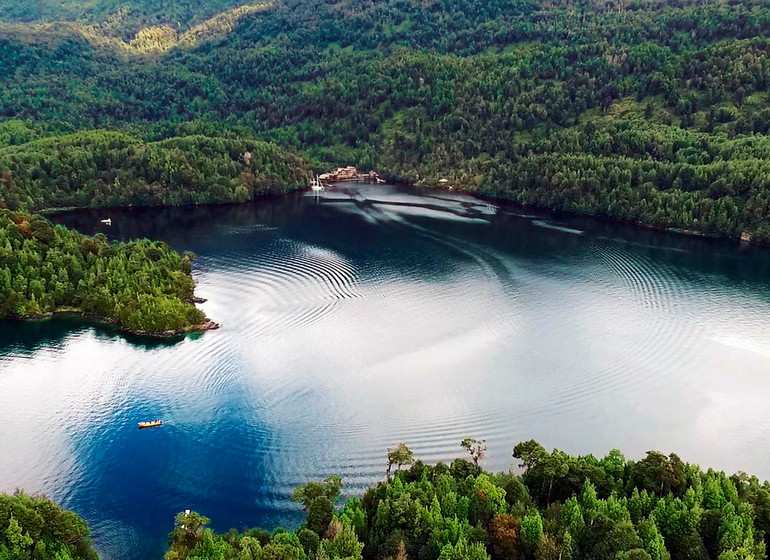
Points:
x=601, y=217
x=207, y=325
x=480, y=196
x=65, y=209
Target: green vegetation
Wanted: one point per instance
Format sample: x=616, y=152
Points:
x=100, y=168
x=647, y=110
x=129, y=12
x=142, y=285
x=36, y=528
x=562, y=507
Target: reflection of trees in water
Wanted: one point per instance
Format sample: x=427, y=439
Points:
x=27, y=337
x=510, y=230
x=176, y=223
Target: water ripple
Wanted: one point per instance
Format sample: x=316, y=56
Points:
x=367, y=316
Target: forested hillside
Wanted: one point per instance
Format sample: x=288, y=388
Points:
x=136, y=13
x=143, y=286
x=102, y=168
x=562, y=507
x=647, y=110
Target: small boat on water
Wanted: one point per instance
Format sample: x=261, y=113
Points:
x=316, y=184
x=150, y=424
x=107, y=221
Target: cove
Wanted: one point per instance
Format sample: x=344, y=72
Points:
x=370, y=315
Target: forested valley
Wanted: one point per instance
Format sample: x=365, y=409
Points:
x=649, y=111
x=653, y=111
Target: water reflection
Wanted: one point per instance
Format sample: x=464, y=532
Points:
x=373, y=315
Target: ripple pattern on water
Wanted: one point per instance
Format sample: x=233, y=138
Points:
x=367, y=316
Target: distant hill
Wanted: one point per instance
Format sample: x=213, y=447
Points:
x=147, y=12
x=652, y=111
x=132, y=26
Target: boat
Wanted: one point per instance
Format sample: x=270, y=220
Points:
x=107, y=221
x=316, y=184
x=150, y=424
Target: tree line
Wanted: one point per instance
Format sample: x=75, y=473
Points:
x=106, y=168
x=560, y=507
x=36, y=528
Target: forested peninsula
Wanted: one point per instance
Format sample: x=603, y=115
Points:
x=559, y=507
x=107, y=168
x=143, y=287
x=651, y=111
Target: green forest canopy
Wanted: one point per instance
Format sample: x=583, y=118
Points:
x=141, y=285
x=654, y=111
x=561, y=507
x=140, y=12
x=103, y=168
x=35, y=527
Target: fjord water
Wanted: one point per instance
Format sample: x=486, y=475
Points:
x=371, y=315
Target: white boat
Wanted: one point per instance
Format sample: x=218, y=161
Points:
x=107, y=221
x=316, y=184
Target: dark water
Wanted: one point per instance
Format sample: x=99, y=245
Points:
x=374, y=315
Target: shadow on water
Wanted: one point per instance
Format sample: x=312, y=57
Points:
x=371, y=315
x=178, y=225
x=183, y=227
x=27, y=337
x=171, y=468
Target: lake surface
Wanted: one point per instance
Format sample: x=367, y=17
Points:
x=371, y=315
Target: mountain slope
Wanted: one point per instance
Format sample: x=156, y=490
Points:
x=650, y=111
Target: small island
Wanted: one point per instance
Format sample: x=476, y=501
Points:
x=141, y=287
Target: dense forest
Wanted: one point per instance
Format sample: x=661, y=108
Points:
x=141, y=285
x=561, y=507
x=116, y=16
x=102, y=168
x=654, y=111
x=33, y=527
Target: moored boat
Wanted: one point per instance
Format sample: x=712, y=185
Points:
x=150, y=424
x=316, y=184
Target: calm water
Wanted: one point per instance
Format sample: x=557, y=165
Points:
x=373, y=315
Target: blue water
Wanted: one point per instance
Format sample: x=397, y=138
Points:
x=371, y=315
